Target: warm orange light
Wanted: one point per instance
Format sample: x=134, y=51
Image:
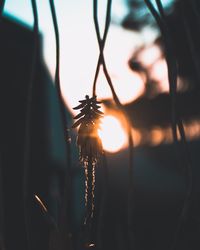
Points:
x=112, y=134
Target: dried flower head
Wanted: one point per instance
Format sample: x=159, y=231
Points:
x=90, y=146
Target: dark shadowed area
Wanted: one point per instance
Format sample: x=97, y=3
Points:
x=43, y=207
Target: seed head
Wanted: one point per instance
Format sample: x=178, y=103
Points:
x=88, y=120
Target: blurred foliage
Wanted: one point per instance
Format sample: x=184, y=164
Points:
x=139, y=16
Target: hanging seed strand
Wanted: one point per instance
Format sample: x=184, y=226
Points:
x=90, y=148
x=89, y=192
x=93, y=187
x=86, y=183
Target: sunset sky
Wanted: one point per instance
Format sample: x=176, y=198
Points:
x=79, y=48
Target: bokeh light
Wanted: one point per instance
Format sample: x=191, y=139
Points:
x=112, y=134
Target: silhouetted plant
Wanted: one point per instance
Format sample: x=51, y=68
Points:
x=90, y=146
x=90, y=149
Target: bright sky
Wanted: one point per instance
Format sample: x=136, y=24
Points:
x=79, y=51
x=79, y=48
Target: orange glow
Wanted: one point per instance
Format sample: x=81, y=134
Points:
x=112, y=134
x=137, y=137
x=157, y=136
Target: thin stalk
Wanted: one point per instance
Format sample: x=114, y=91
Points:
x=189, y=37
x=27, y=142
x=160, y=8
x=115, y=97
x=2, y=243
x=176, y=121
x=189, y=184
x=171, y=63
x=57, y=81
x=101, y=42
x=101, y=60
x=179, y=121
x=67, y=184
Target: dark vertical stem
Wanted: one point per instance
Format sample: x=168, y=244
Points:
x=189, y=186
x=170, y=60
x=160, y=8
x=95, y=17
x=108, y=19
x=2, y=3
x=101, y=42
x=2, y=246
x=180, y=126
x=189, y=36
x=63, y=117
x=101, y=60
x=176, y=121
x=115, y=97
x=57, y=80
x=27, y=143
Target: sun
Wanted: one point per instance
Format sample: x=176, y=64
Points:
x=112, y=134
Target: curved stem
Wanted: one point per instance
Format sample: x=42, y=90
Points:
x=57, y=80
x=101, y=41
x=67, y=183
x=170, y=60
x=176, y=121
x=101, y=60
x=160, y=8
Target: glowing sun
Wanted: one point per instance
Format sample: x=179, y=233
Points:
x=112, y=134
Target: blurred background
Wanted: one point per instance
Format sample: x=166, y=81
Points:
x=135, y=54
